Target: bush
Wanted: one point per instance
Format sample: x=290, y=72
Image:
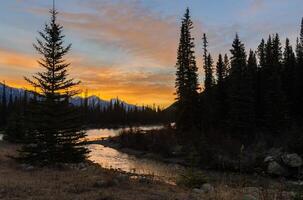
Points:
x=160, y=141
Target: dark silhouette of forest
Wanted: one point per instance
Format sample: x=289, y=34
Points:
x=94, y=112
x=251, y=99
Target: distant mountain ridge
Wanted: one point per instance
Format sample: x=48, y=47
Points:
x=93, y=100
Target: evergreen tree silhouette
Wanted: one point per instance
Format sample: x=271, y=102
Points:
x=275, y=110
x=226, y=66
x=208, y=69
x=220, y=71
x=221, y=94
x=187, y=78
x=289, y=75
x=55, y=135
x=240, y=102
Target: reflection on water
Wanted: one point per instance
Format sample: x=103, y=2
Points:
x=113, y=159
x=94, y=134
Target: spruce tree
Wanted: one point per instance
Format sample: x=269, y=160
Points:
x=241, y=113
x=187, y=78
x=251, y=76
x=289, y=75
x=226, y=66
x=220, y=70
x=221, y=93
x=275, y=109
x=260, y=105
x=208, y=70
x=55, y=135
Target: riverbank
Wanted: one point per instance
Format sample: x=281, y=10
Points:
x=90, y=181
x=84, y=181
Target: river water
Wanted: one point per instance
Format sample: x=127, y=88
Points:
x=114, y=159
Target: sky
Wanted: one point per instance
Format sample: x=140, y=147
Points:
x=127, y=48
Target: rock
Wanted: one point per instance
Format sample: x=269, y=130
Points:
x=292, y=160
x=275, y=168
x=207, y=188
x=249, y=197
x=198, y=191
x=268, y=159
x=27, y=167
x=296, y=183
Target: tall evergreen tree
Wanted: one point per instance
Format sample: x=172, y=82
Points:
x=187, y=78
x=289, y=75
x=221, y=93
x=208, y=70
x=275, y=110
x=241, y=116
x=226, y=66
x=220, y=70
x=252, y=86
x=55, y=135
x=260, y=106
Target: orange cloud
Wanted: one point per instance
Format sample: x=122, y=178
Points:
x=13, y=59
x=137, y=87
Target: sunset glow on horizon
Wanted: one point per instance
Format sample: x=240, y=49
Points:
x=127, y=49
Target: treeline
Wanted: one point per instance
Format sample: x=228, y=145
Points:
x=247, y=98
x=117, y=113
x=14, y=110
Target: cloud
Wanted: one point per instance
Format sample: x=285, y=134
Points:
x=128, y=26
x=13, y=59
x=134, y=86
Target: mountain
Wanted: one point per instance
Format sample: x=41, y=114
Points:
x=93, y=101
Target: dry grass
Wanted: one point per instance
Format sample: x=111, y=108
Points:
x=95, y=183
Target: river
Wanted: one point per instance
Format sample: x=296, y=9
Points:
x=111, y=158
x=114, y=159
